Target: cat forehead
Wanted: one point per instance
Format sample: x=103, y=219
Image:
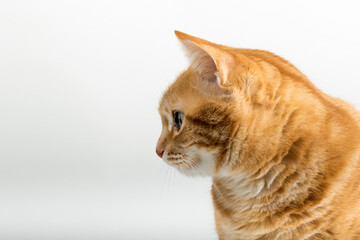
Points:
x=168, y=107
x=186, y=95
x=183, y=102
x=178, y=94
x=169, y=103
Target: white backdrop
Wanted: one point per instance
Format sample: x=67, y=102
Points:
x=79, y=86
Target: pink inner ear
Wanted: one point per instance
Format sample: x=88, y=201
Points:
x=202, y=62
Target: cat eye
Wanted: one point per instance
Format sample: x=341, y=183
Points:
x=178, y=119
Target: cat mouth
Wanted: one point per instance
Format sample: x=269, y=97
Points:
x=182, y=162
x=185, y=165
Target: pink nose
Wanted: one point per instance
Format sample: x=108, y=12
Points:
x=160, y=152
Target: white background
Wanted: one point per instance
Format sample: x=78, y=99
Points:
x=79, y=86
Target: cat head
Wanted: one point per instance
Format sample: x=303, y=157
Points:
x=205, y=110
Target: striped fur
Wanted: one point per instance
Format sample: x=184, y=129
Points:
x=284, y=156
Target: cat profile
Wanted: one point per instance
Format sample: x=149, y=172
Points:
x=284, y=157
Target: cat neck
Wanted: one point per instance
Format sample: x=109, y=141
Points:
x=286, y=189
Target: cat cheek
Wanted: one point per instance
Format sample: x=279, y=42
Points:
x=205, y=159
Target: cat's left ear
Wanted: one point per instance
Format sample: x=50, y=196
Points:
x=209, y=60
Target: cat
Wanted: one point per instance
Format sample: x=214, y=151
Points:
x=283, y=156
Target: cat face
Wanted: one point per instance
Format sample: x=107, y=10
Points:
x=206, y=107
x=196, y=127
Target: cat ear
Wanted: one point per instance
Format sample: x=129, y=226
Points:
x=208, y=59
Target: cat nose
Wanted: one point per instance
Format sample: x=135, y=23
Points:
x=160, y=151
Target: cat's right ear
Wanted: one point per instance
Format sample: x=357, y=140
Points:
x=209, y=60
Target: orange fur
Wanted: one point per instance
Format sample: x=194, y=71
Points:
x=284, y=156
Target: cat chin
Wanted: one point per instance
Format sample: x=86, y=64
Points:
x=203, y=168
x=192, y=172
x=195, y=162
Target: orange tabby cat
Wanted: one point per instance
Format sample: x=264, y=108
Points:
x=284, y=156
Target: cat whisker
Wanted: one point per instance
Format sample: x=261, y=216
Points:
x=176, y=161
